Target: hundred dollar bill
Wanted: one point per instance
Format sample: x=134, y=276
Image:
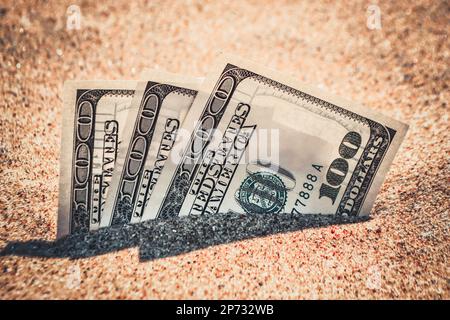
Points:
x=157, y=111
x=94, y=116
x=263, y=143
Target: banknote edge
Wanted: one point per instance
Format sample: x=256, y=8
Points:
x=70, y=88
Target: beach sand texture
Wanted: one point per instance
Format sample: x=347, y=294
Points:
x=401, y=70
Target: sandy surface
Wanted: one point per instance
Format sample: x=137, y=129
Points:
x=401, y=70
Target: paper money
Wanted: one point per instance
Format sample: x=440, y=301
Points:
x=157, y=112
x=263, y=143
x=94, y=116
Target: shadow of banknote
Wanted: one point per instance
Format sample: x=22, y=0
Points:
x=165, y=238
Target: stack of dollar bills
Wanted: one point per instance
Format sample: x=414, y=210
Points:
x=244, y=139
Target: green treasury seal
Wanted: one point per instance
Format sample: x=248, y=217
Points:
x=262, y=192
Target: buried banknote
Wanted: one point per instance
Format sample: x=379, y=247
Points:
x=156, y=113
x=98, y=122
x=257, y=142
x=94, y=116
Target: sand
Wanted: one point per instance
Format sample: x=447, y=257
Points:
x=401, y=70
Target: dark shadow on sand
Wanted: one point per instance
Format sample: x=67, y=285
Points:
x=164, y=238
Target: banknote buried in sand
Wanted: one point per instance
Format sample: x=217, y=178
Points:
x=99, y=116
x=253, y=142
